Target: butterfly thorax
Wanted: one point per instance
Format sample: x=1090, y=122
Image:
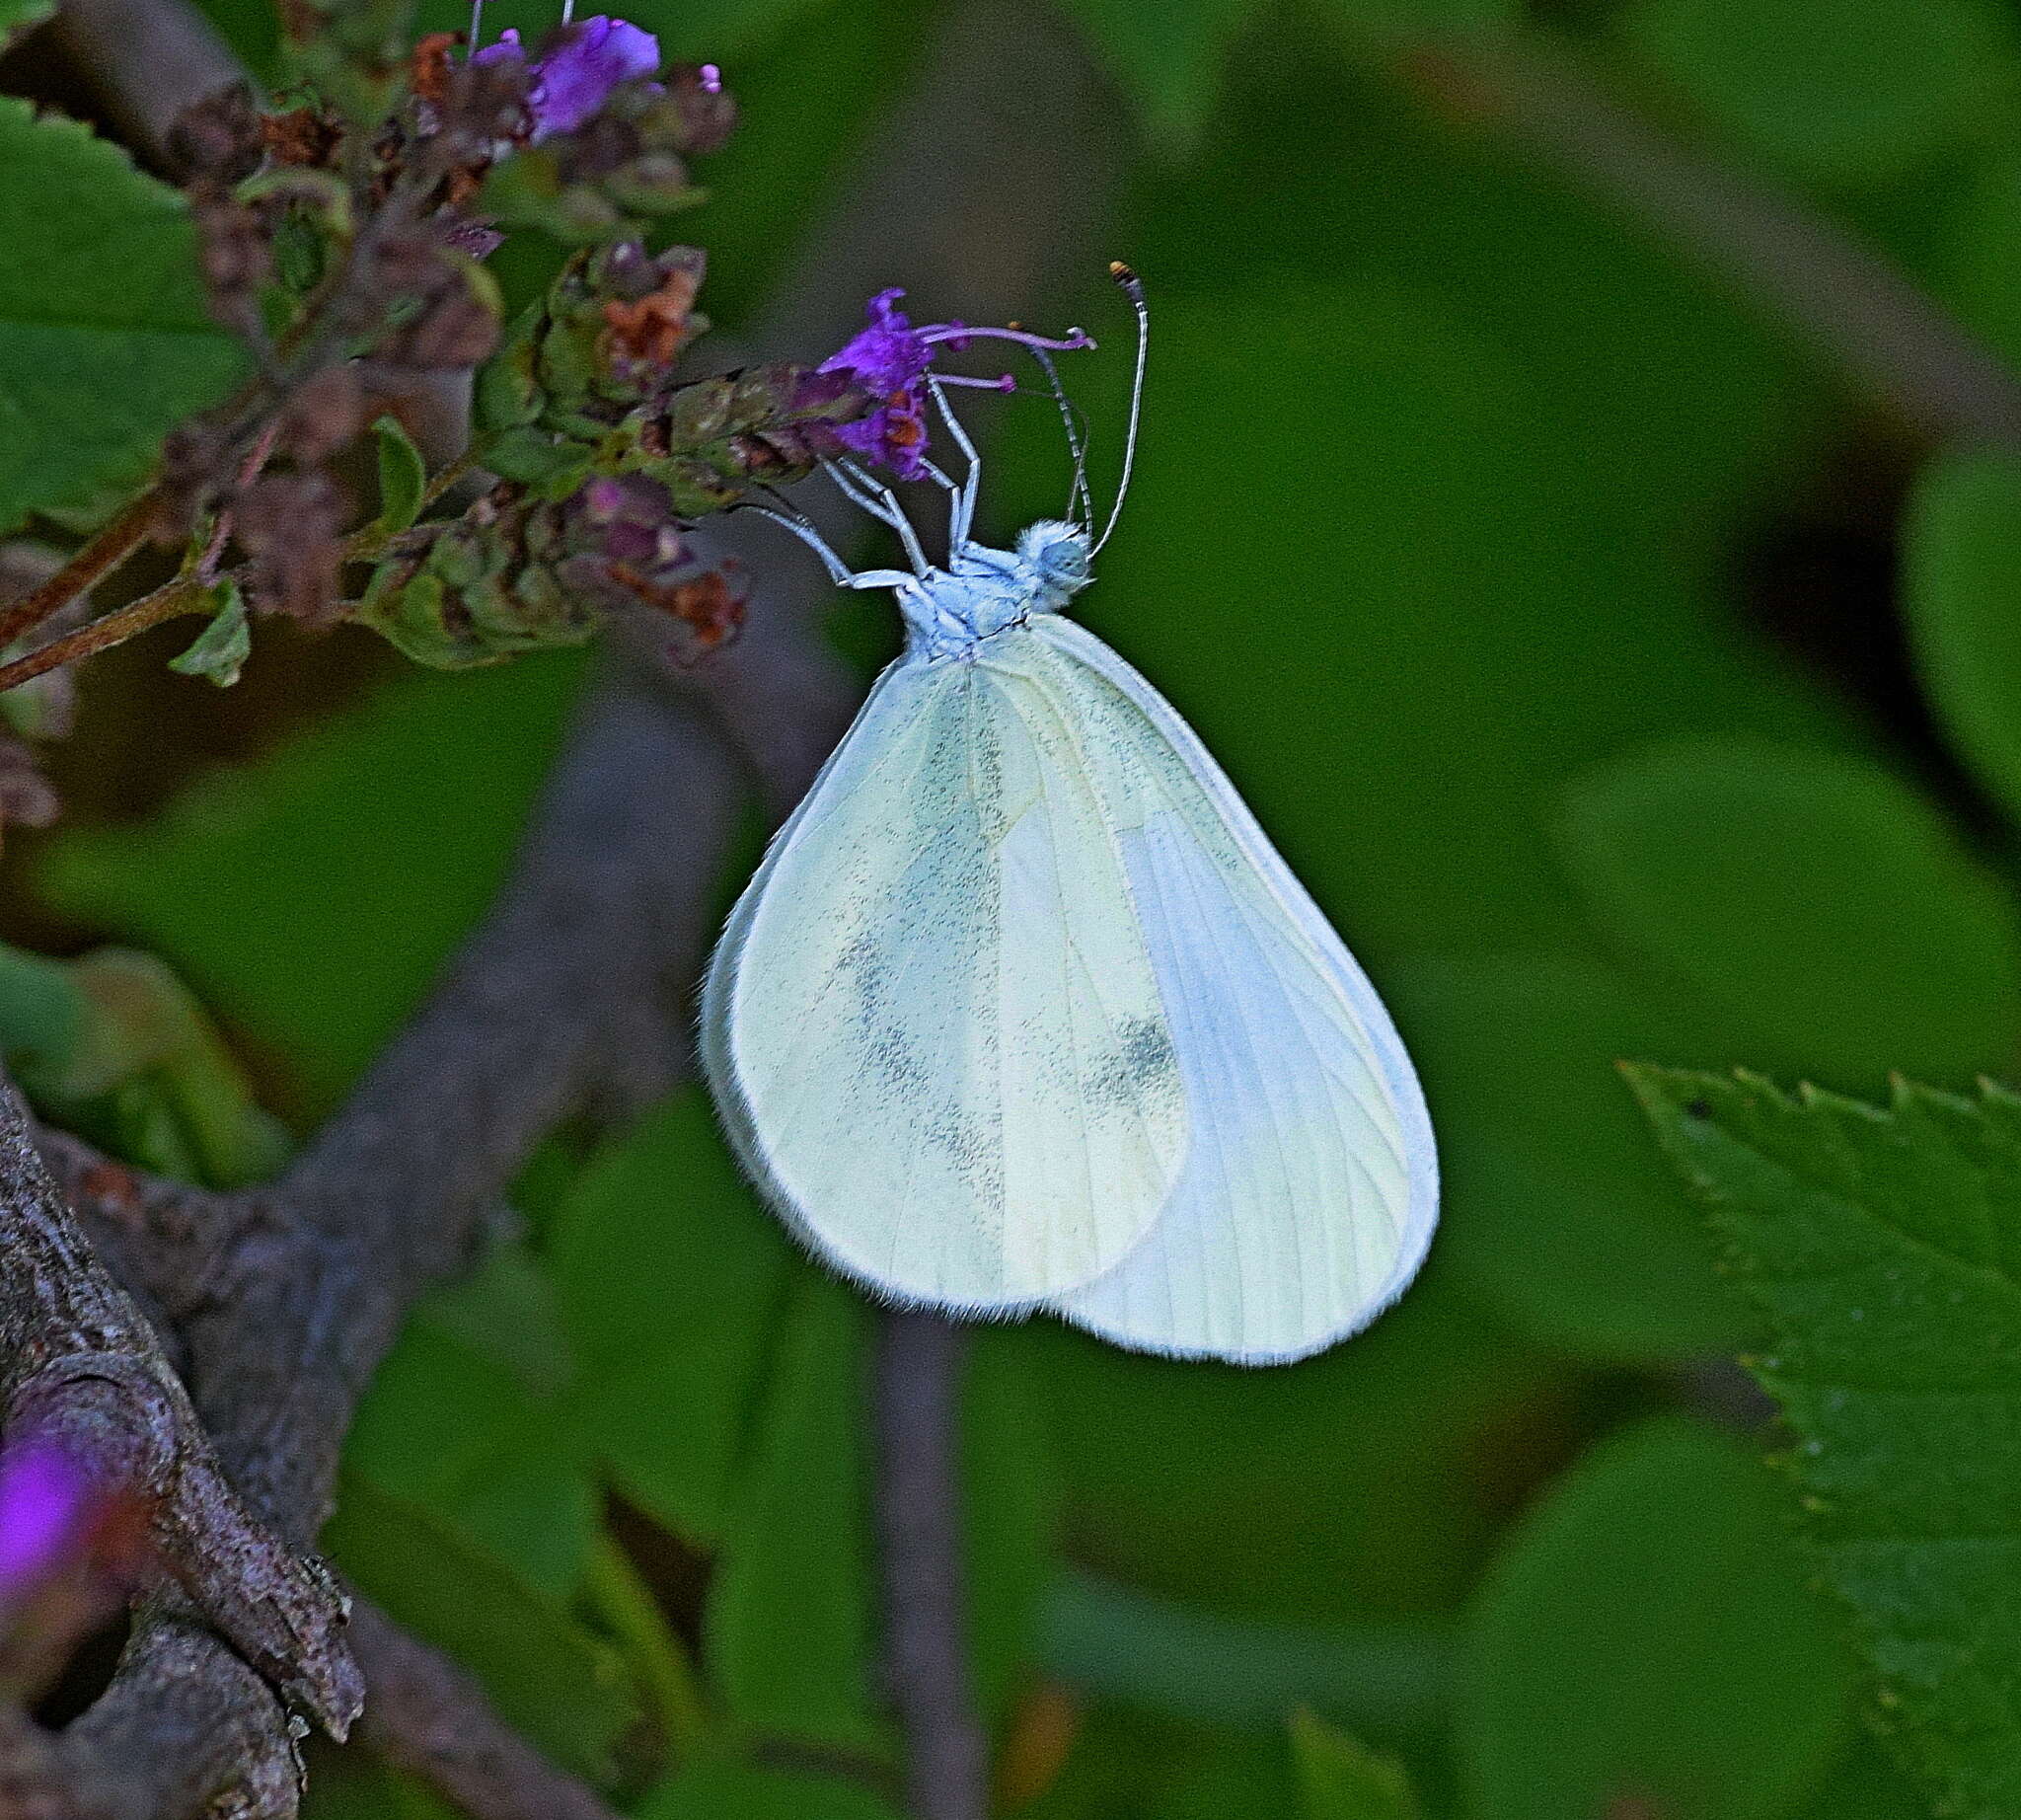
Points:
x=949, y=612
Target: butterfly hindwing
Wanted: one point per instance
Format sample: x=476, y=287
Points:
x=1310, y=1189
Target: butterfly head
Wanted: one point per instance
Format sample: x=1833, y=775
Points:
x=1059, y=557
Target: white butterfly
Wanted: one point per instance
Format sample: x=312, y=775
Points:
x=1024, y=1011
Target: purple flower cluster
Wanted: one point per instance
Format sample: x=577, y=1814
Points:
x=578, y=68
x=890, y=360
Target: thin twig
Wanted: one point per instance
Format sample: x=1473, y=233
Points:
x=90, y=565
x=916, y=1416
x=169, y=601
x=429, y=1718
x=1845, y=296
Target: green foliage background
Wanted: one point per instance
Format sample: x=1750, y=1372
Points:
x=1623, y=683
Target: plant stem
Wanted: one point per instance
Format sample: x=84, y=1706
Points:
x=181, y=595
x=112, y=544
x=917, y=1409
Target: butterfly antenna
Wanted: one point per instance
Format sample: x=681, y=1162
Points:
x=476, y=29
x=1133, y=288
x=1080, y=501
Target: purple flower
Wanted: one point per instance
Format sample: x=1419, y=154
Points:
x=579, y=66
x=48, y=1509
x=890, y=360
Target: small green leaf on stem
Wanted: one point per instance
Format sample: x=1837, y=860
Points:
x=221, y=648
x=402, y=475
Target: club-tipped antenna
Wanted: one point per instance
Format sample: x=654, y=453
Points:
x=1132, y=287
x=1079, y=500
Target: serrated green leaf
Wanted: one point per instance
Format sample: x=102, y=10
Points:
x=402, y=474
x=787, y=1628
x=105, y=340
x=1341, y=1779
x=1169, y=58
x=1884, y=1247
x=221, y=649
x=671, y=1282
x=1648, y=1638
x=1819, y=904
x=1962, y=594
x=565, y=1688
x=1847, y=91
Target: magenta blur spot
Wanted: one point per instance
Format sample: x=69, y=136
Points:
x=47, y=1509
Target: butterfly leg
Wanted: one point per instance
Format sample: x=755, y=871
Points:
x=858, y=486
x=961, y=513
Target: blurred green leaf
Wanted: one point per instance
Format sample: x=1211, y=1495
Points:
x=1554, y=1212
x=507, y=1310
x=724, y=31
x=116, y=1047
x=1884, y=1247
x=450, y=1427
x=1250, y=1493
x=565, y=1688
x=221, y=649
x=1847, y=91
x=104, y=338
x=1239, y=1778
x=1647, y=1636
x=1168, y=58
x=742, y=1791
x=1378, y=21
x=1154, y=1654
x=402, y=474
x=16, y=16
x=787, y=1628
x=623, y=1602
x=354, y=1784
x=672, y=1283
x=1010, y=1501
x=1816, y=902
x=1865, y=1784
x=1962, y=593
x=1343, y=1780
x=313, y=898
x=42, y=1012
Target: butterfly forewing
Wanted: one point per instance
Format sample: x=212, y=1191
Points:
x=934, y=1019
x=1309, y=1189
